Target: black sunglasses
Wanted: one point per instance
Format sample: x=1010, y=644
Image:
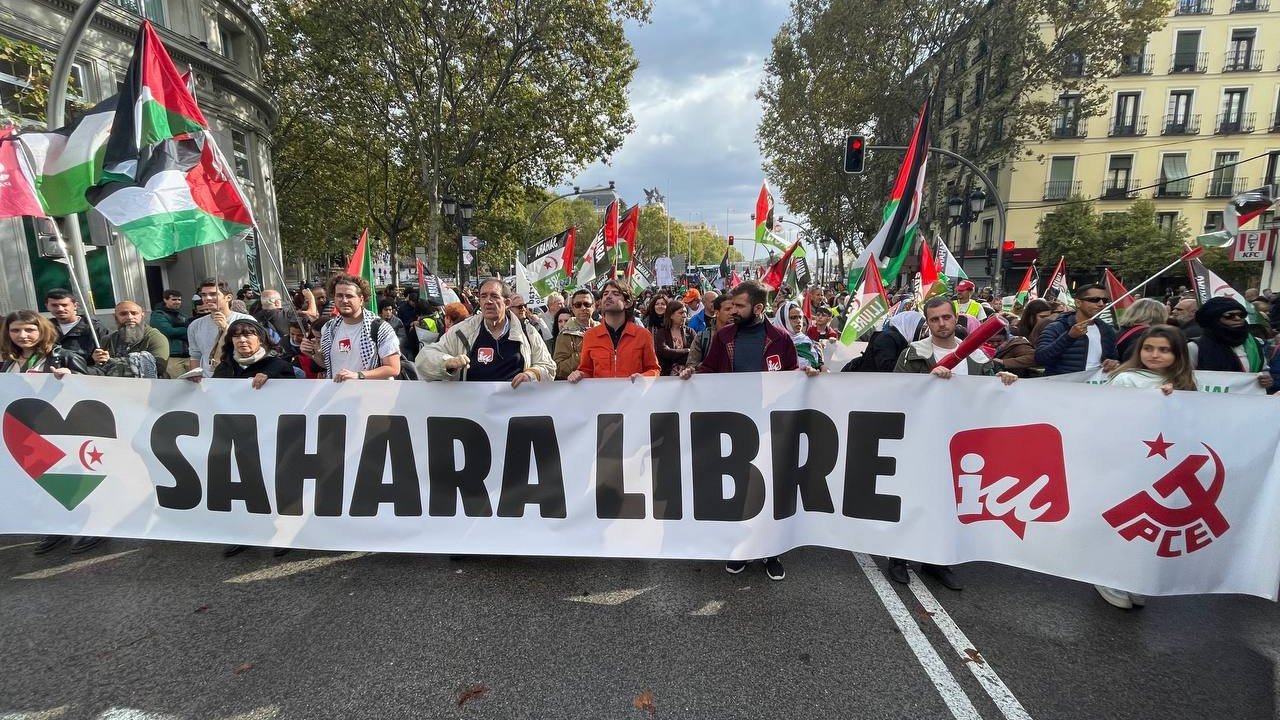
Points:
x=582, y=304
x=1098, y=300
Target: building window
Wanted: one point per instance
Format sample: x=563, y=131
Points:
x=240, y=151
x=1167, y=221
x=1233, y=118
x=993, y=173
x=1074, y=65
x=1213, y=221
x=1126, y=122
x=1223, y=181
x=1068, y=122
x=1061, y=183
x=1186, y=52
x=1177, y=118
x=1174, y=180
x=1119, y=180
x=989, y=233
x=227, y=42
x=152, y=10
x=1273, y=167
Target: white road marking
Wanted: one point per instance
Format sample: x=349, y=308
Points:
x=69, y=567
x=266, y=712
x=611, y=597
x=10, y=547
x=957, y=702
x=981, y=669
x=713, y=607
x=133, y=714
x=50, y=714
x=281, y=570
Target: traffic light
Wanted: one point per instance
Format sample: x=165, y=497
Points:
x=855, y=151
x=1008, y=246
x=731, y=240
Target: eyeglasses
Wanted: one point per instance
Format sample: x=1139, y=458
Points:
x=518, y=307
x=1233, y=315
x=583, y=304
x=1095, y=300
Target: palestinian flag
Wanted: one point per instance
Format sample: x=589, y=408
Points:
x=184, y=198
x=624, y=251
x=897, y=235
x=778, y=273
x=18, y=196
x=867, y=306
x=597, y=263
x=361, y=265
x=1207, y=284
x=1113, y=286
x=154, y=105
x=1246, y=206
x=765, y=221
x=798, y=275
x=68, y=161
x=66, y=457
x=932, y=282
x=1024, y=289
x=1056, y=290
x=552, y=258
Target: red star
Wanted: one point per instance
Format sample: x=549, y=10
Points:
x=95, y=456
x=1158, y=446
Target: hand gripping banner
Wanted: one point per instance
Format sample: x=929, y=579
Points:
x=1121, y=487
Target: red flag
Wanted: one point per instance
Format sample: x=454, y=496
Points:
x=928, y=268
x=566, y=258
x=1025, y=287
x=17, y=187
x=627, y=233
x=422, y=275
x=773, y=279
x=1116, y=289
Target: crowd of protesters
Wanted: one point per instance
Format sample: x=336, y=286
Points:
x=492, y=334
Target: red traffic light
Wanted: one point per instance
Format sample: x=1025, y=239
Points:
x=855, y=147
x=1008, y=245
x=855, y=143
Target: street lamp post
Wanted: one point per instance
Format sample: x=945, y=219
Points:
x=460, y=213
x=533, y=222
x=963, y=213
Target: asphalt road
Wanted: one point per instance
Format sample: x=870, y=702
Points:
x=168, y=630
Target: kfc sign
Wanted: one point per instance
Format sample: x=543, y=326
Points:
x=1015, y=475
x=1254, y=245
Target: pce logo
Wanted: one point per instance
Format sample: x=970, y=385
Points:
x=1015, y=475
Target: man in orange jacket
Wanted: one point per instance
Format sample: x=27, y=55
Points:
x=617, y=347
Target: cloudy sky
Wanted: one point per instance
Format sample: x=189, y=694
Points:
x=693, y=98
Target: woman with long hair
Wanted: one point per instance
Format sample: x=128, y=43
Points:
x=673, y=339
x=29, y=343
x=1032, y=314
x=1145, y=313
x=656, y=316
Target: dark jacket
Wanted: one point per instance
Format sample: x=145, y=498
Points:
x=1127, y=341
x=1016, y=355
x=60, y=358
x=79, y=340
x=668, y=355
x=776, y=342
x=883, y=351
x=173, y=325
x=1059, y=353
x=272, y=366
x=918, y=358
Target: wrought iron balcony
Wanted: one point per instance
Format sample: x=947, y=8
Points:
x=1061, y=189
x=1275, y=122
x=1127, y=126
x=1181, y=125
x=1073, y=128
x=1242, y=61
x=1189, y=62
x=1137, y=64
x=1113, y=190
x=1226, y=187
x=1175, y=188
x=1250, y=6
x=1233, y=124
x=1193, y=7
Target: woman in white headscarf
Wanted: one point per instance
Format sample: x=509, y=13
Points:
x=790, y=317
x=899, y=331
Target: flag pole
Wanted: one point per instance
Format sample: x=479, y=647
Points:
x=278, y=266
x=1194, y=252
x=75, y=280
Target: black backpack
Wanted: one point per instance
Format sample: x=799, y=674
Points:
x=407, y=370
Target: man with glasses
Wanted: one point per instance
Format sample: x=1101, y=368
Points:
x=1075, y=341
x=568, y=352
x=617, y=347
x=531, y=320
x=491, y=346
x=1225, y=342
x=1183, y=316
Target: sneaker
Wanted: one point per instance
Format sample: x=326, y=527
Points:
x=1138, y=600
x=773, y=568
x=85, y=544
x=233, y=550
x=1117, y=598
x=735, y=567
x=944, y=575
x=49, y=542
x=898, y=571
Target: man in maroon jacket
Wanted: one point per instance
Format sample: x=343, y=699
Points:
x=750, y=344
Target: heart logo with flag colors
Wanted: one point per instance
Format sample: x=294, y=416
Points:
x=65, y=456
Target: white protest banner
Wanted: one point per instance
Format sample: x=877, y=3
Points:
x=1121, y=487
x=1213, y=381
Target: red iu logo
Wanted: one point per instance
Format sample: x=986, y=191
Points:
x=1015, y=475
x=1192, y=525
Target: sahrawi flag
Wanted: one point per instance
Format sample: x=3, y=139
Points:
x=897, y=235
x=947, y=263
x=597, y=263
x=361, y=265
x=552, y=258
x=1207, y=284
x=67, y=161
x=186, y=196
x=154, y=105
x=867, y=306
x=765, y=222
x=17, y=184
x=67, y=457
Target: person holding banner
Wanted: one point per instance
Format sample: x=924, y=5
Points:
x=1075, y=341
x=489, y=347
x=347, y=344
x=927, y=356
x=568, y=350
x=617, y=347
x=78, y=333
x=1225, y=342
